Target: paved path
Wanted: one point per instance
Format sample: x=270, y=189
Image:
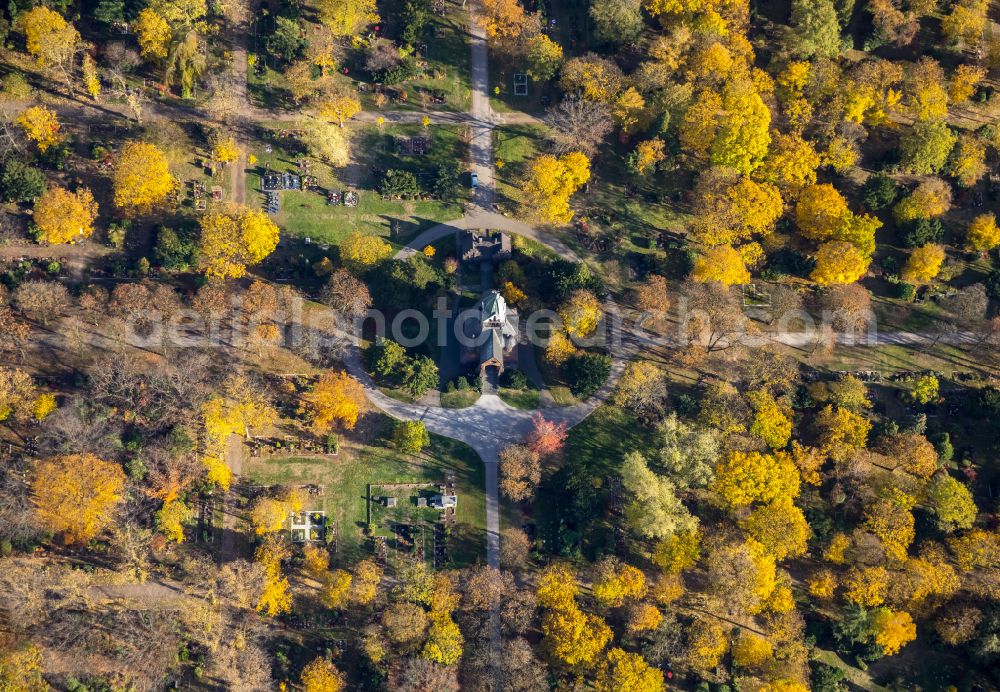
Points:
x=489, y=424
x=449, y=117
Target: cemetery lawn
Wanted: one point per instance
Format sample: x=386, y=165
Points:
x=345, y=479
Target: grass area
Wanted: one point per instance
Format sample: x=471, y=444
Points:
x=595, y=449
x=444, y=68
x=307, y=214
x=459, y=399
x=558, y=387
x=345, y=479
x=520, y=398
x=515, y=145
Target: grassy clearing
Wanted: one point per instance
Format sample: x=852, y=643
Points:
x=594, y=452
x=445, y=68
x=515, y=146
x=558, y=387
x=307, y=214
x=459, y=399
x=520, y=398
x=345, y=479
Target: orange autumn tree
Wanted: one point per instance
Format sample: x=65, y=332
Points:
x=76, y=495
x=336, y=397
x=546, y=437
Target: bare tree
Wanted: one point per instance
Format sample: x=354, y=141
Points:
x=347, y=294
x=714, y=316
x=41, y=300
x=850, y=307
x=578, y=125
x=419, y=674
x=77, y=427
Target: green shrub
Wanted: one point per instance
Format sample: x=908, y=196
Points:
x=923, y=231
x=879, y=192
x=21, y=182
x=587, y=372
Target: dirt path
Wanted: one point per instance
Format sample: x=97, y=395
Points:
x=229, y=545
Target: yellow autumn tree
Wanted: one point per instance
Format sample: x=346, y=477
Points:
x=742, y=478
x=594, y=77
x=17, y=394
x=699, y=124
x=154, y=35
x=823, y=584
x=43, y=405
x=644, y=617
x=733, y=208
x=890, y=520
x=770, y=422
x=627, y=671
x=41, y=126
x=550, y=183
x=76, y=495
x=89, y=75
x=780, y=527
x=629, y=110
x=503, y=19
x=751, y=650
x=964, y=81
x=319, y=675
x=930, y=199
x=966, y=23
x=362, y=251
x=225, y=149
x=233, y=239
x=743, y=137
x=559, y=348
x=721, y=263
x=336, y=397
x=444, y=639
x=573, y=637
x=819, y=211
x=841, y=431
x=269, y=515
x=839, y=262
x=678, y=552
x=706, y=645
x=347, y=17
x=48, y=37
x=141, y=178
x=172, y=517
x=791, y=162
x=983, y=234
x=276, y=598
x=893, y=629
x=364, y=586
x=614, y=585
x=968, y=161
x=580, y=313
x=866, y=585
x=61, y=216
x=340, y=107
x=923, y=264
x=648, y=153
x=337, y=589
